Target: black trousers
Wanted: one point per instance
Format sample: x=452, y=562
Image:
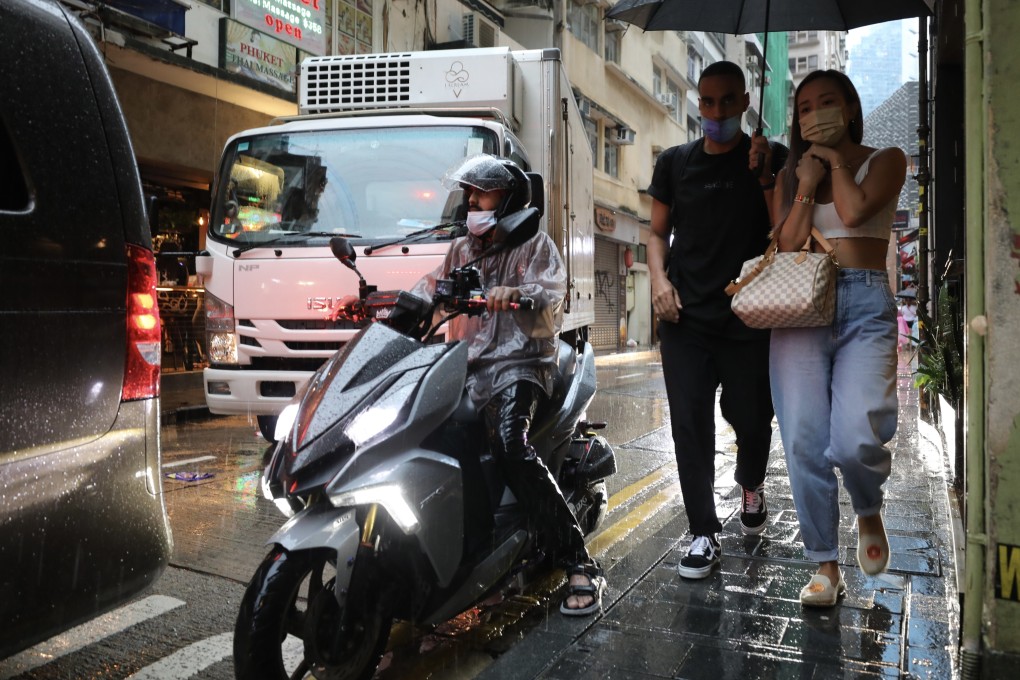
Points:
x=508, y=418
x=694, y=366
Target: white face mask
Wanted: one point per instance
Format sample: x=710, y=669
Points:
x=480, y=221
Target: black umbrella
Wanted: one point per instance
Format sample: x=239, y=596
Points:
x=761, y=16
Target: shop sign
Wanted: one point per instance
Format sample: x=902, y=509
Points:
x=301, y=23
x=605, y=220
x=901, y=220
x=258, y=56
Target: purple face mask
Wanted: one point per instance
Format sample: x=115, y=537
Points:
x=721, y=131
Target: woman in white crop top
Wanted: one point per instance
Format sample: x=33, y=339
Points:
x=834, y=388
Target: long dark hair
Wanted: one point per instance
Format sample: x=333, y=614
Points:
x=797, y=143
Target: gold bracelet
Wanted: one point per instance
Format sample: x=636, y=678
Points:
x=842, y=166
x=805, y=199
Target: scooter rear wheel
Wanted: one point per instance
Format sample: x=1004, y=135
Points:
x=274, y=618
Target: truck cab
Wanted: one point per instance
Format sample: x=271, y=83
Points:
x=366, y=159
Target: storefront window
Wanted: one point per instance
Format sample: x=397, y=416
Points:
x=179, y=219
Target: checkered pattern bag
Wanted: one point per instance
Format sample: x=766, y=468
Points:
x=787, y=290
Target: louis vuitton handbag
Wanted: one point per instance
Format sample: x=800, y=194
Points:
x=787, y=290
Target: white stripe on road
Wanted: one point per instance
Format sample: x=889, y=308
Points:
x=178, y=463
x=87, y=634
x=186, y=662
x=629, y=375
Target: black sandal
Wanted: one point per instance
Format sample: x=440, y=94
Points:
x=594, y=589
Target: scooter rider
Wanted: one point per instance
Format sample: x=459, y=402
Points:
x=512, y=357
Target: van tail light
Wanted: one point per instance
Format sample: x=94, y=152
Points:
x=141, y=372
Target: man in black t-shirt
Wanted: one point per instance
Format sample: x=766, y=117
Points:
x=709, y=196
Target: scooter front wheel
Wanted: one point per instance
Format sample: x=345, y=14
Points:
x=278, y=625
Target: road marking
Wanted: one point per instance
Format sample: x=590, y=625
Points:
x=189, y=661
x=625, y=494
x=87, y=634
x=178, y=463
x=620, y=529
x=629, y=375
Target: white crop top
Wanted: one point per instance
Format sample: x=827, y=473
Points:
x=878, y=226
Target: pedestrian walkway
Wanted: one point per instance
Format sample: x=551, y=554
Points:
x=745, y=621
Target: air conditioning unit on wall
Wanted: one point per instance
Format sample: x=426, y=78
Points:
x=479, y=32
x=624, y=136
x=667, y=99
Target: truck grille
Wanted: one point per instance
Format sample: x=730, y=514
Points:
x=318, y=346
x=356, y=81
x=316, y=325
x=286, y=364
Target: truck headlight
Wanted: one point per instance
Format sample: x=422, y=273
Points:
x=221, y=340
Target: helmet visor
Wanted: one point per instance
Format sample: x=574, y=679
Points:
x=482, y=172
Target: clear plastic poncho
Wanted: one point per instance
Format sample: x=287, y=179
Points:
x=505, y=347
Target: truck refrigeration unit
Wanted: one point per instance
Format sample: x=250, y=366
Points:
x=365, y=159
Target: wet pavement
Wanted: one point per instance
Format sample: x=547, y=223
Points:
x=745, y=621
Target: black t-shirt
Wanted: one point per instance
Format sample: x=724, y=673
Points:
x=719, y=219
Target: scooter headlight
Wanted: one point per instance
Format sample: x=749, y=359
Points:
x=285, y=422
x=389, y=496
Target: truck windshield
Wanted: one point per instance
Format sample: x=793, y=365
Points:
x=379, y=183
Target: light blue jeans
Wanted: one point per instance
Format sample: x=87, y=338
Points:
x=834, y=391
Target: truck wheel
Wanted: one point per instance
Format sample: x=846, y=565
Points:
x=267, y=426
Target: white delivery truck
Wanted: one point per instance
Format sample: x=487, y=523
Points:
x=365, y=159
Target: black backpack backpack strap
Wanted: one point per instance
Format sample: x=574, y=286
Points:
x=680, y=158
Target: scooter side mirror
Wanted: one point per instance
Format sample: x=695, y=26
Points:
x=342, y=250
x=516, y=228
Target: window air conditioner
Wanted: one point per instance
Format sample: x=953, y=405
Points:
x=667, y=99
x=584, y=107
x=479, y=32
x=624, y=136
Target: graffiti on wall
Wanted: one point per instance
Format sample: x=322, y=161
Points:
x=605, y=285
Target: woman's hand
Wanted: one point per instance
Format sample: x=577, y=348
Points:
x=829, y=157
x=811, y=171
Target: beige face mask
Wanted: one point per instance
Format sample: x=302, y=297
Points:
x=823, y=126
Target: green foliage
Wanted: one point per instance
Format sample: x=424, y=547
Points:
x=940, y=358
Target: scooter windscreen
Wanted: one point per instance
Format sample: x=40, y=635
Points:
x=379, y=387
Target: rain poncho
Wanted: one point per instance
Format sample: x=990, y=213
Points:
x=505, y=347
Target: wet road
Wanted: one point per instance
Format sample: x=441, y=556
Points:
x=743, y=621
x=182, y=627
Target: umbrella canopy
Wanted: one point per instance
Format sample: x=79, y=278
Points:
x=762, y=16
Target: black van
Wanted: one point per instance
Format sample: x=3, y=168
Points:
x=83, y=525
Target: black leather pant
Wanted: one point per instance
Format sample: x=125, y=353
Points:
x=508, y=418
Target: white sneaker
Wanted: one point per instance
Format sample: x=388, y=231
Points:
x=701, y=558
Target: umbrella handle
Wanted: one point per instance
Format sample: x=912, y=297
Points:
x=761, y=156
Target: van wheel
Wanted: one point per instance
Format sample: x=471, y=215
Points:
x=267, y=426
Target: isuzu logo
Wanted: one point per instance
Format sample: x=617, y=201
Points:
x=317, y=304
